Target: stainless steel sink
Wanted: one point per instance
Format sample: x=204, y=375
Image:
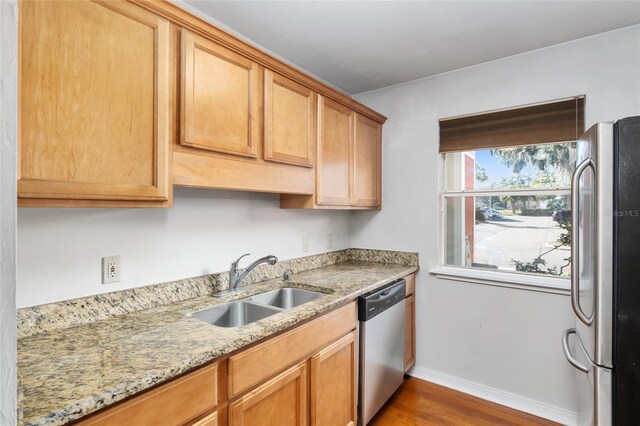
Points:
x=286, y=298
x=235, y=314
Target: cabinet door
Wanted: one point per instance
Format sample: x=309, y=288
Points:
x=333, y=384
x=94, y=101
x=219, y=98
x=335, y=140
x=282, y=401
x=289, y=120
x=367, y=166
x=210, y=420
x=409, y=332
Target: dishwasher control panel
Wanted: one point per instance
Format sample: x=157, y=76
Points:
x=377, y=301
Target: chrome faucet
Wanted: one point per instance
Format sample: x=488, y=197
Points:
x=235, y=276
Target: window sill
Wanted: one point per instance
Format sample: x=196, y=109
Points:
x=504, y=279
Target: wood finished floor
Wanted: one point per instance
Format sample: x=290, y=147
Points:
x=422, y=403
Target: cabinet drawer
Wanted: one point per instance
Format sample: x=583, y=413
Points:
x=171, y=404
x=254, y=365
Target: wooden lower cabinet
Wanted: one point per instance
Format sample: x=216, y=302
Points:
x=304, y=375
x=409, y=332
x=210, y=420
x=318, y=384
x=174, y=403
x=253, y=366
x=333, y=384
x=410, y=323
x=282, y=401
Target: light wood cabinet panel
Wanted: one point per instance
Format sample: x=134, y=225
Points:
x=289, y=121
x=219, y=98
x=335, y=142
x=349, y=159
x=306, y=373
x=409, y=332
x=411, y=284
x=256, y=364
x=187, y=20
x=210, y=420
x=95, y=102
x=282, y=401
x=333, y=384
x=367, y=162
x=171, y=404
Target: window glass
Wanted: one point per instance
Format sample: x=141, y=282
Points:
x=519, y=219
x=515, y=234
x=538, y=166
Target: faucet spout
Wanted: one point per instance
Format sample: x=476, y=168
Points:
x=235, y=276
x=271, y=260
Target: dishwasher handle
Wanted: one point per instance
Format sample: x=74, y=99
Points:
x=378, y=301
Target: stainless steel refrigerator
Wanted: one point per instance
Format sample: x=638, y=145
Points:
x=604, y=346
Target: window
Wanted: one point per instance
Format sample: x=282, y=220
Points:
x=506, y=204
x=508, y=209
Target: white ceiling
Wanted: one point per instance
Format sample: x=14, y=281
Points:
x=365, y=45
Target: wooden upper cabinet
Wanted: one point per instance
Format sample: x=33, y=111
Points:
x=333, y=384
x=289, y=121
x=333, y=168
x=94, y=102
x=219, y=98
x=348, y=165
x=367, y=162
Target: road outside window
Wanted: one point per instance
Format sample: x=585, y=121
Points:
x=508, y=209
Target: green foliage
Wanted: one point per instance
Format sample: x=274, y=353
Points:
x=556, y=156
x=557, y=203
x=481, y=174
x=565, y=238
x=548, y=159
x=535, y=266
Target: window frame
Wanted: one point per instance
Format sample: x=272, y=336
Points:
x=517, y=280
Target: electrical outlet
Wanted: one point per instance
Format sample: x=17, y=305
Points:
x=110, y=269
x=329, y=241
x=305, y=243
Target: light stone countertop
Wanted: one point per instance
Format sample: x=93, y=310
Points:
x=69, y=373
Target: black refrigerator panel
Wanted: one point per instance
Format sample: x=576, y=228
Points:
x=626, y=262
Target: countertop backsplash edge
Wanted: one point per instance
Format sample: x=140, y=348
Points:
x=55, y=316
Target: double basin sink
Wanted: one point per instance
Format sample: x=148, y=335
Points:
x=253, y=308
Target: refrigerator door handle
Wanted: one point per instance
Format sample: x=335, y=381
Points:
x=567, y=350
x=575, y=244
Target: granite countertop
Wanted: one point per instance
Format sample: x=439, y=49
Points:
x=69, y=373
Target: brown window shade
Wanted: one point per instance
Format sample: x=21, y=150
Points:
x=557, y=121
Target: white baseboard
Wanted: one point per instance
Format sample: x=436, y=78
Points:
x=498, y=396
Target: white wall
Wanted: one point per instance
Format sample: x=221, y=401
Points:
x=501, y=338
x=59, y=250
x=8, y=138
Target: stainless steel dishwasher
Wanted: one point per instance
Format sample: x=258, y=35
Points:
x=381, y=354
